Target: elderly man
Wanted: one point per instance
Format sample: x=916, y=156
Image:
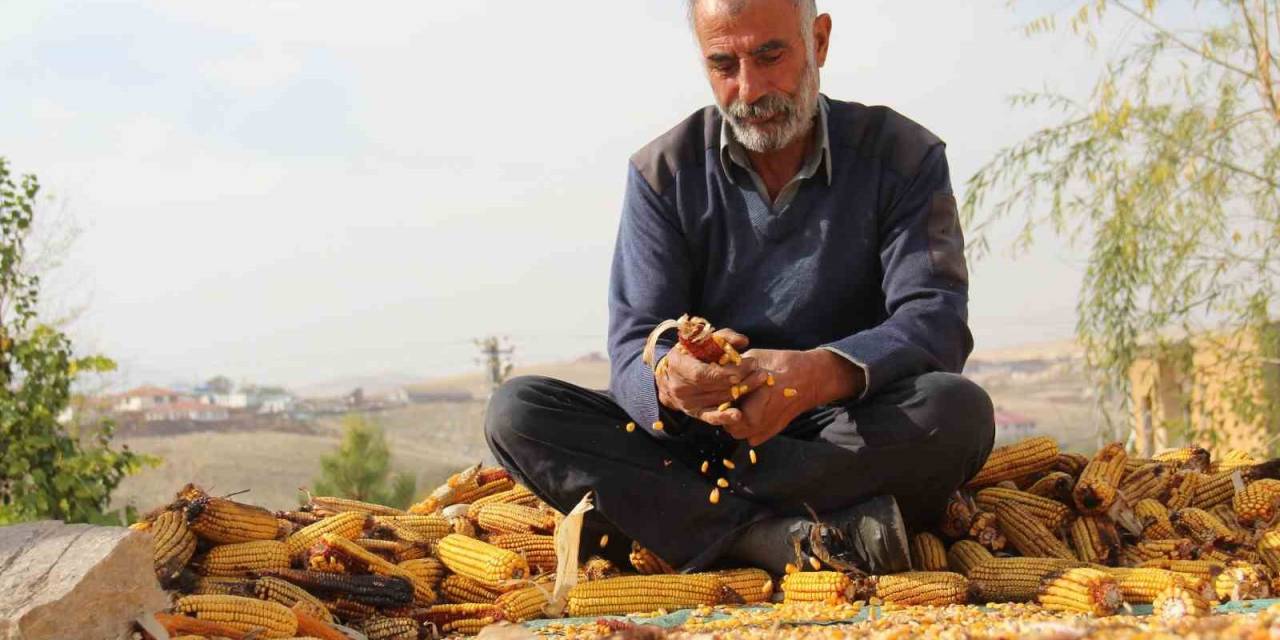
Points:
x=825, y=234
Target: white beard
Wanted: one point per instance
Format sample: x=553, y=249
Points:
x=797, y=120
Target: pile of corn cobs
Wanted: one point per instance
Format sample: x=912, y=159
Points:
x=1069, y=533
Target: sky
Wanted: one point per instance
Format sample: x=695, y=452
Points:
x=297, y=191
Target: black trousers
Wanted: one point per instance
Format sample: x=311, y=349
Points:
x=918, y=439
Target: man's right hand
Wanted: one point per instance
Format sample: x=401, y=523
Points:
x=697, y=388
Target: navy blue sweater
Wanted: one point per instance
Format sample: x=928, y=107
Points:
x=871, y=266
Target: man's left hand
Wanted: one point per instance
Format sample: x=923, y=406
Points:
x=818, y=377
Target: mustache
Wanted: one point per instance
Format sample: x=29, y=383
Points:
x=766, y=107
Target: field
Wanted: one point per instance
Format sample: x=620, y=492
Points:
x=432, y=440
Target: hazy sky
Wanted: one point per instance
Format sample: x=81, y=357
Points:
x=298, y=191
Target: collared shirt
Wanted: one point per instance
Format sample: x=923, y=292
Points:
x=732, y=153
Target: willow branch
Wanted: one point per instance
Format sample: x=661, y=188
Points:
x=1174, y=38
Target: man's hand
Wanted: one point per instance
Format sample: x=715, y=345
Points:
x=697, y=388
x=818, y=377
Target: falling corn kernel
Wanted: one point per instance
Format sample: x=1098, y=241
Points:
x=706, y=464
x=631, y=426
x=657, y=426
x=715, y=495
x=743, y=388
x=722, y=483
x=813, y=562
x=728, y=464
x=724, y=359
x=769, y=380
x=724, y=406
x=791, y=568
x=735, y=392
x=752, y=454
x=789, y=392
x=604, y=541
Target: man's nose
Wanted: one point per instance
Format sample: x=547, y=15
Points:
x=751, y=84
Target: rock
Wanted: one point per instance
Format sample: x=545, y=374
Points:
x=74, y=581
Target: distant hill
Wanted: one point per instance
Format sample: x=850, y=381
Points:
x=590, y=371
x=377, y=384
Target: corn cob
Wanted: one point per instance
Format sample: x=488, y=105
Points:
x=1051, y=513
x=1214, y=490
x=957, y=516
x=299, y=519
x=1155, y=520
x=964, y=555
x=484, y=490
x=460, y=618
x=1234, y=459
x=246, y=614
x=1095, y=540
x=1028, y=535
x=1182, y=489
x=1143, y=585
x=518, y=494
x=696, y=336
x=180, y=626
x=1173, y=549
x=480, y=561
x=752, y=585
x=1227, y=515
x=173, y=544
x=1082, y=589
x=223, y=521
x=1192, y=458
x=596, y=568
x=1018, y=460
x=317, y=627
x=462, y=527
x=1055, y=485
x=331, y=506
x=290, y=595
x=347, y=525
x=244, y=558
x=638, y=594
x=1201, y=568
x=1258, y=502
x=1149, y=481
x=458, y=589
x=986, y=531
x=385, y=549
x=523, y=604
x=1177, y=602
x=464, y=487
x=1132, y=464
x=1007, y=485
x=412, y=551
x=646, y=562
x=513, y=518
x=375, y=591
x=1099, y=482
x=1241, y=581
x=538, y=551
x=206, y=586
x=1071, y=464
x=428, y=571
x=828, y=587
x=1204, y=527
x=1269, y=549
x=918, y=588
x=928, y=553
x=351, y=555
x=350, y=611
x=380, y=628
x=1013, y=579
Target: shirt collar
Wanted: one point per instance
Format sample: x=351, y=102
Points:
x=732, y=151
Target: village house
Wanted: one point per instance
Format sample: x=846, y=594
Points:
x=146, y=397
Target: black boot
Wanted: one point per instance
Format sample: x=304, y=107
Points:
x=869, y=537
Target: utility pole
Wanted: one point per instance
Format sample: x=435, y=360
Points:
x=495, y=357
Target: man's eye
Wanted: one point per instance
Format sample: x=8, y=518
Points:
x=771, y=58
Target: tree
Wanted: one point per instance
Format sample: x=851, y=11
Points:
x=361, y=467
x=51, y=465
x=1169, y=172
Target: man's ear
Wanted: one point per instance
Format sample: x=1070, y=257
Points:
x=822, y=37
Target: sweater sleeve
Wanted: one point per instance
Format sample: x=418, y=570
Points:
x=925, y=283
x=649, y=283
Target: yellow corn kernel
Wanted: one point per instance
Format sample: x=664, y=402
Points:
x=631, y=426
x=728, y=464
x=769, y=381
x=604, y=541
x=790, y=568
x=735, y=392
x=715, y=496
x=724, y=406
x=658, y=426
x=752, y=454
x=815, y=563
x=789, y=392
x=722, y=483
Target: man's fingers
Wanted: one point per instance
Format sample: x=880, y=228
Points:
x=734, y=338
x=725, y=418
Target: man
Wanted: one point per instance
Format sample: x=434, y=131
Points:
x=825, y=234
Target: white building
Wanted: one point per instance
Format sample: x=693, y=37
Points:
x=143, y=398
x=187, y=410
x=233, y=400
